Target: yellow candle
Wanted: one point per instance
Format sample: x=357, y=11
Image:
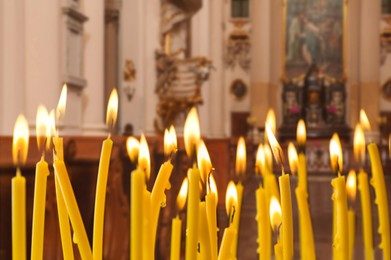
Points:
x=306, y=233
x=276, y=222
x=264, y=228
x=302, y=172
x=20, y=144
x=192, y=213
x=203, y=234
x=148, y=252
x=176, y=232
x=278, y=251
x=351, y=192
x=227, y=243
x=366, y=212
x=38, y=229
x=381, y=200
x=136, y=208
x=211, y=205
x=351, y=228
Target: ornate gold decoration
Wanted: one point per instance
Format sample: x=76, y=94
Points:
x=238, y=50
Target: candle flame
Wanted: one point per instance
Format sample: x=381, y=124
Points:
x=112, y=109
x=144, y=160
x=204, y=163
x=170, y=142
x=301, y=133
x=41, y=125
x=132, y=147
x=270, y=121
x=212, y=187
x=62, y=103
x=240, y=166
x=293, y=158
x=192, y=132
x=359, y=144
x=268, y=156
x=51, y=128
x=20, y=141
x=260, y=160
x=231, y=198
x=335, y=153
x=276, y=148
x=275, y=213
x=351, y=184
x=182, y=195
x=364, y=121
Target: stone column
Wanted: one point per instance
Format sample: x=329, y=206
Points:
x=94, y=113
x=370, y=60
x=218, y=114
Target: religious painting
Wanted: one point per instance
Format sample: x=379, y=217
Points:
x=314, y=35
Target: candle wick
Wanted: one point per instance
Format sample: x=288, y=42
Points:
x=172, y=155
x=232, y=214
x=18, y=171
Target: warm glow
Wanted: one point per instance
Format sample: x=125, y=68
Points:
x=275, y=146
x=292, y=158
x=364, y=121
x=144, y=161
x=192, y=132
x=112, y=109
x=351, y=184
x=51, y=128
x=240, y=166
x=132, y=147
x=20, y=141
x=231, y=198
x=275, y=213
x=182, y=195
x=301, y=133
x=203, y=159
x=212, y=187
x=41, y=125
x=260, y=160
x=335, y=153
x=271, y=120
x=62, y=103
x=359, y=144
x=170, y=142
x=268, y=156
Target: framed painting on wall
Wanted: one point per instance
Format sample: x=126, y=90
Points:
x=314, y=34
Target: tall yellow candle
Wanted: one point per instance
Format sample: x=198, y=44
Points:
x=148, y=253
x=276, y=222
x=103, y=171
x=176, y=228
x=203, y=234
x=20, y=144
x=193, y=175
x=264, y=228
x=286, y=200
x=351, y=184
x=381, y=200
x=340, y=239
x=226, y=248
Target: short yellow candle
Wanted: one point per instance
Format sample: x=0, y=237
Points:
x=20, y=144
x=286, y=200
x=363, y=186
x=103, y=171
x=381, y=200
x=176, y=228
x=340, y=219
x=276, y=222
x=226, y=247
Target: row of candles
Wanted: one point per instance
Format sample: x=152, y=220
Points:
x=273, y=199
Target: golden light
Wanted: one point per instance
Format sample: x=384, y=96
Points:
x=203, y=160
x=41, y=125
x=182, y=195
x=275, y=213
x=275, y=146
x=62, y=103
x=132, y=147
x=240, y=166
x=112, y=109
x=293, y=158
x=191, y=132
x=20, y=141
x=351, y=184
x=231, y=198
x=271, y=120
x=268, y=156
x=51, y=128
x=335, y=153
x=170, y=142
x=301, y=133
x=364, y=121
x=260, y=160
x=144, y=160
x=212, y=187
x=359, y=144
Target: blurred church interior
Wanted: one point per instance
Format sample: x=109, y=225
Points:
x=318, y=60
